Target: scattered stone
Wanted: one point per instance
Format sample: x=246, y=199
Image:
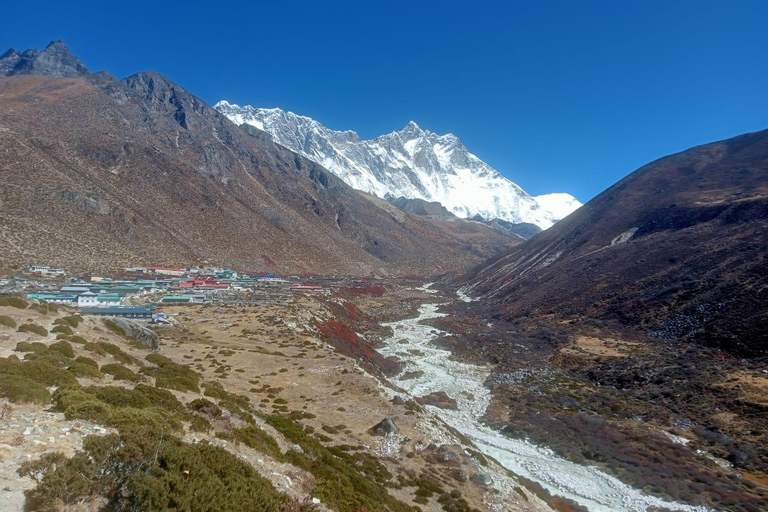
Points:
x=461, y=475
x=385, y=427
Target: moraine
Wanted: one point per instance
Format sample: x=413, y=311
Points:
x=586, y=485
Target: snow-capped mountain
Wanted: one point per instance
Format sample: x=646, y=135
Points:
x=411, y=163
x=560, y=204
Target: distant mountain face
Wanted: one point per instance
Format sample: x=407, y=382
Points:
x=412, y=163
x=678, y=250
x=98, y=173
x=55, y=60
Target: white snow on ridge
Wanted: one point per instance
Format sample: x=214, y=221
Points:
x=560, y=204
x=413, y=163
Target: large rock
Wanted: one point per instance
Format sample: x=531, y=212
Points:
x=482, y=479
x=385, y=427
x=146, y=337
x=438, y=399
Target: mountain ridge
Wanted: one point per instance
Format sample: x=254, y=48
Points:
x=412, y=163
x=100, y=173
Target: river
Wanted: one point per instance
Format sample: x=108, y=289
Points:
x=412, y=344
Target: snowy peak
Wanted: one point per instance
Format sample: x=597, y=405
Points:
x=412, y=163
x=560, y=204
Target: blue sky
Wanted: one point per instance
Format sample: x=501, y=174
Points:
x=557, y=95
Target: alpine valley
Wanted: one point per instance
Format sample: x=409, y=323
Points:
x=237, y=309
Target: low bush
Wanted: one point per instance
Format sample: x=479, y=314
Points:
x=7, y=321
x=118, y=353
x=172, y=375
x=62, y=329
x=51, y=357
x=204, y=406
x=79, y=369
x=199, y=424
x=93, y=347
x=143, y=469
x=71, y=320
x=347, y=482
x=63, y=348
x=35, y=346
x=14, y=302
x=33, y=328
x=38, y=371
x=87, y=361
x=20, y=389
x=120, y=372
x=78, y=339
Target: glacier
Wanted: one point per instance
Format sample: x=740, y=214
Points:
x=413, y=163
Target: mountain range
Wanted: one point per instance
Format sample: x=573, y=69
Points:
x=412, y=163
x=99, y=173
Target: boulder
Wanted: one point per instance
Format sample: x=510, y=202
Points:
x=438, y=399
x=144, y=336
x=385, y=427
x=482, y=479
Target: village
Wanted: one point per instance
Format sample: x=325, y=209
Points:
x=142, y=292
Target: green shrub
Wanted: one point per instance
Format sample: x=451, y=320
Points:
x=172, y=375
x=254, y=437
x=199, y=424
x=112, y=326
x=161, y=398
x=84, y=370
x=7, y=321
x=38, y=371
x=35, y=346
x=144, y=469
x=62, y=329
x=152, y=417
x=90, y=410
x=120, y=407
x=52, y=357
x=63, y=348
x=87, y=361
x=20, y=389
x=14, y=302
x=204, y=406
x=34, y=328
x=71, y=320
x=93, y=347
x=120, y=372
x=78, y=339
x=119, y=354
x=347, y=482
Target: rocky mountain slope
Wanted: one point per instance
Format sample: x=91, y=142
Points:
x=676, y=249
x=100, y=173
x=412, y=163
x=632, y=335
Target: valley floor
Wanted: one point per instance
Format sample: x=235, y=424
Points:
x=284, y=386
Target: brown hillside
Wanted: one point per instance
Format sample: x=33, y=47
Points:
x=677, y=249
x=99, y=173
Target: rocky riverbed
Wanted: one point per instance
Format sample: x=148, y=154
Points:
x=428, y=369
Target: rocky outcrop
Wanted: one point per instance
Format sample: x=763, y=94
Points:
x=438, y=399
x=55, y=60
x=144, y=336
x=385, y=427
